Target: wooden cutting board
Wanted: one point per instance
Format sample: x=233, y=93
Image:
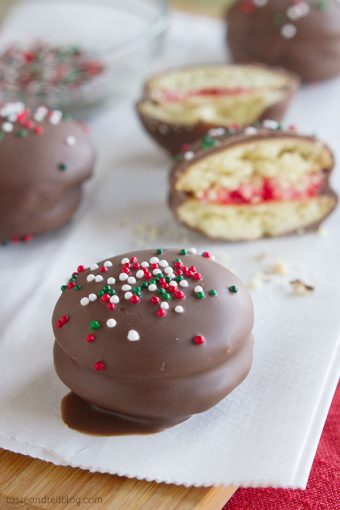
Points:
x=31, y=484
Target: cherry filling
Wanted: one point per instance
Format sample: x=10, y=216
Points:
x=173, y=96
x=268, y=191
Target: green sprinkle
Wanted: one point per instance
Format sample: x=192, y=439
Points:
x=63, y=287
x=95, y=325
x=136, y=289
x=77, y=287
x=2, y=134
x=178, y=260
x=145, y=285
x=100, y=293
x=159, y=251
x=62, y=167
x=167, y=279
x=110, y=292
x=233, y=289
x=179, y=278
x=278, y=19
x=166, y=296
x=208, y=142
x=183, y=252
x=212, y=292
x=22, y=133
x=67, y=116
x=200, y=295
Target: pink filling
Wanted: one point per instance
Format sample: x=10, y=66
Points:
x=174, y=95
x=268, y=191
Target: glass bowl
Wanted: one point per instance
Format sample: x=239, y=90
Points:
x=73, y=54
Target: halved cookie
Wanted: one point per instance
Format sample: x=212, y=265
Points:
x=253, y=183
x=181, y=105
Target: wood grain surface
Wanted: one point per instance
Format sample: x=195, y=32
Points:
x=27, y=483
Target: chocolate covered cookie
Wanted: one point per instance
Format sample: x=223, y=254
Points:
x=44, y=158
x=303, y=36
x=262, y=181
x=181, y=105
x=150, y=337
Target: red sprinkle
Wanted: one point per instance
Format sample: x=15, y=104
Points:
x=103, y=269
x=206, y=254
x=198, y=339
x=133, y=260
x=136, y=265
x=134, y=299
x=90, y=338
x=154, y=266
x=161, y=312
x=38, y=130
x=155, y=300
x=80, y=269
x=179, y=294
x=126, y=270
x=105, y=298
x=70, y=285
x=197, y=276
x=111, y=306
x=99, y=365
x=63, y=320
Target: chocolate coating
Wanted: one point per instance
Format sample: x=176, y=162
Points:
x=307, y=43
x=173, y=135
x=41, y=176
x=151, y=379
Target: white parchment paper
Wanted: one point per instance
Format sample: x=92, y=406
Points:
x=266, y=432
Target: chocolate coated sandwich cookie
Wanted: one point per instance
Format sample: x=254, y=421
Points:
x=302, y=36
x=44, y=159
x=146, y=339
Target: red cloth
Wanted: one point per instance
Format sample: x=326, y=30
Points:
x=323, y=489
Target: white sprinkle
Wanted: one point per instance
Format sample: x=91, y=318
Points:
x=128, y=295
x=173, y=284
x=70, y=140
x=156, y=271
x=40, y=113
x=140, y=273
x=288, y=31
x=132, y=279
x=111, y=280
x=183, y=283
x=123, y=277
x=152, y=287
x=99, y=278
x=154, y=260
x=111, y=323
x=298, y=11
x=126, y=287
x=90, y=277
x=133, y=335
x=125, y=260
x=84, y=301
x=55, y=117
x=198, y=288
x=145, y=263
x=165, y=305
x=7, y=127
x=114, y=299
x=163, y=263
x=192, y=250
x=168, y=270
x=179, y=309
x=270, y=124
x=93, y=297
x=107, y=263
x=189, y=155
x=260, y=3
x=93, y=267
x=251, y=130
x=216, y=131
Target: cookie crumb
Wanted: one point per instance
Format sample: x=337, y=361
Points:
x=301, y=288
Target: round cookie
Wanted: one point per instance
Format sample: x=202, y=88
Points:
x=154, y=336
x=303, y=36
x=45, y=157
